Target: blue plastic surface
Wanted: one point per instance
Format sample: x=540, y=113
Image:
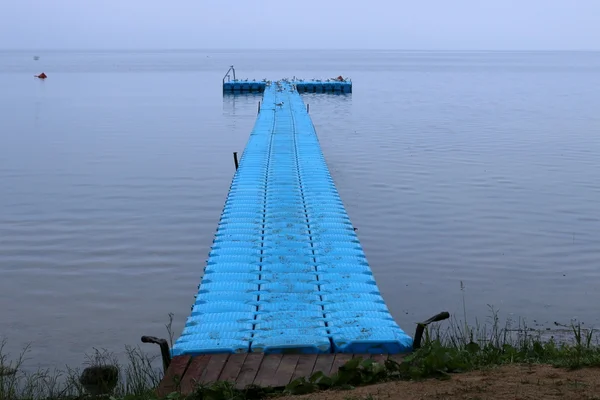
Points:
x=314, y=86
x=243, y=86
x=286, y=271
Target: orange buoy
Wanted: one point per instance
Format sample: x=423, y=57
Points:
x=41, y=76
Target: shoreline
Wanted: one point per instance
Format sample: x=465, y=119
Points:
x=452, y=353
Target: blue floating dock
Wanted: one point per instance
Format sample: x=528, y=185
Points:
x=237, y=86
x=314, y=86
x=286, y=272
x=327, y=86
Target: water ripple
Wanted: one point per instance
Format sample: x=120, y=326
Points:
x=474, y=168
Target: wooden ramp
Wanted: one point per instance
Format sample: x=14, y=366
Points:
x=243, y=369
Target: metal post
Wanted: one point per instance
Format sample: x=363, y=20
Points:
x=307, y=108
x=258, y=107
x=422, y=325
x=164, y=349
x=235, y=160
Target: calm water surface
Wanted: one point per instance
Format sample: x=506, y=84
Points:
x=473, y=167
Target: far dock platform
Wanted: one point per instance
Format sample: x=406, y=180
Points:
x=312, y=86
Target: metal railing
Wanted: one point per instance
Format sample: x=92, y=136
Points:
x=231, y=69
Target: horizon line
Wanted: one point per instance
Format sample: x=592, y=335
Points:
x=224, y=49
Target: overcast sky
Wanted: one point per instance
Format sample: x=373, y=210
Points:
x=307, y=24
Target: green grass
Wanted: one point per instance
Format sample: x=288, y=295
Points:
x=137, y=380
x=451, y=346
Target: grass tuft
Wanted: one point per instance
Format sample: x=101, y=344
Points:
x=137, y=377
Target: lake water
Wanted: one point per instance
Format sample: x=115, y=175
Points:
x=478, y=167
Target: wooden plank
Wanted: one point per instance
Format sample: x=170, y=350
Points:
x=233, y=367
x=213, y=368
x=305, y=366
x=323, y=363
x=397, y=357
x=266, y=374
x=249, y=369
x=364, y=356
x=193, y=373
x=286, y=369
x=340, y=359
x=379, y=358
x=173, y=376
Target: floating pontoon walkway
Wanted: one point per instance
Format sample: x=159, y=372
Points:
x=286, y=273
